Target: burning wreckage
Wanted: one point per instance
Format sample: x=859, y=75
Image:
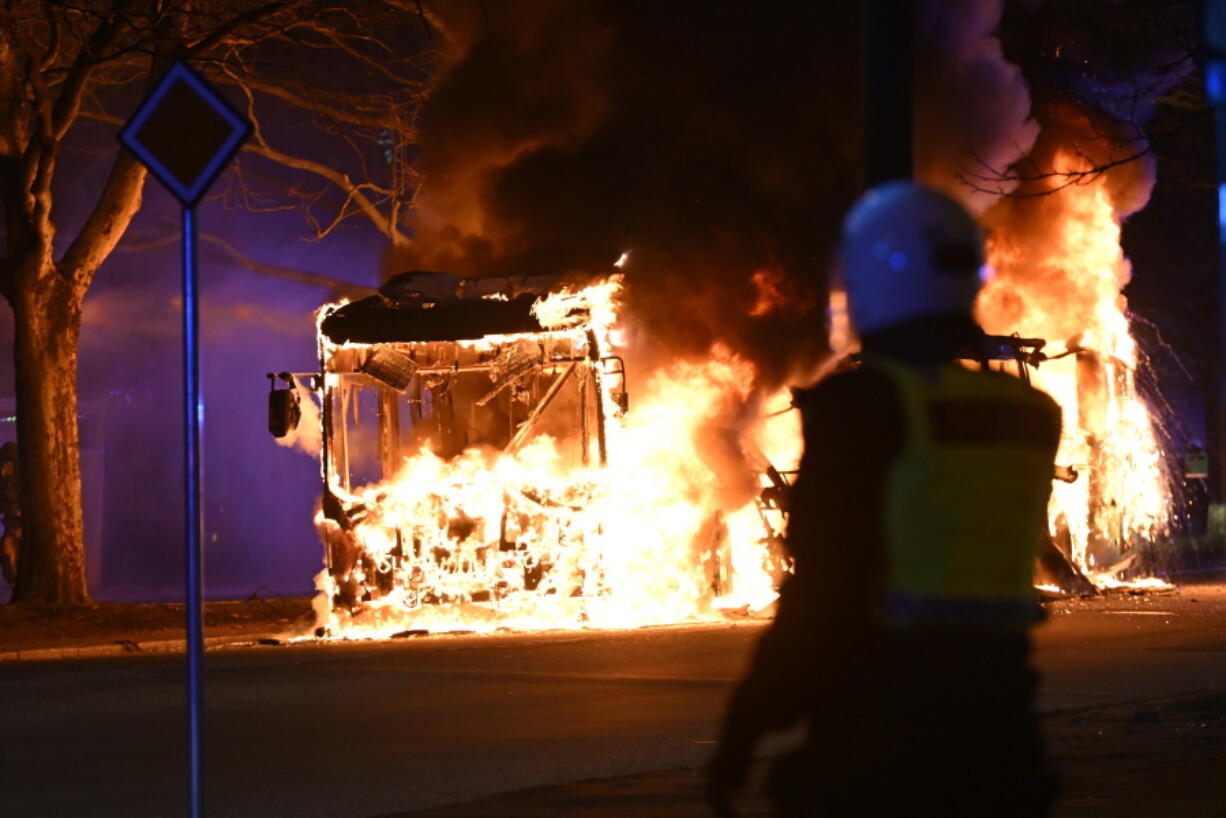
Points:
x=481, y=469
x=474, y=470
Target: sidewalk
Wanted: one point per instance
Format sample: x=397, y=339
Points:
x=30, y=632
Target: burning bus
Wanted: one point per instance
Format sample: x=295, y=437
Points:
x=480, y=469
x=485, y=465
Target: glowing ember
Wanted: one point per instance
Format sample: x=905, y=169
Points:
x=770, y=295
x=1110, y=581
x=515, y=488
x=1065, y=286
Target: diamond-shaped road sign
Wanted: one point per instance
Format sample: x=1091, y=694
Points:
x=185, y=133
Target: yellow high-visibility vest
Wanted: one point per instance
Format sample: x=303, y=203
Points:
x=966, y=500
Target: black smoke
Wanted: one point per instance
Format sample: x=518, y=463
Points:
x=713, y=140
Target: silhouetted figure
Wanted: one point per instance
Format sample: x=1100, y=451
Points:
x=901, y=640
x=10, y=508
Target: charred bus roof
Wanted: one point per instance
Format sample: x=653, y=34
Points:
x=420, y=307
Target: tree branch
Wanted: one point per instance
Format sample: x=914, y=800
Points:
x=120, y=199
x=53, y=47
x=232, y=254
x=44, y=98
x=341, y=180
x=77, y=79
x=1066, y=178
x=238, y=257
x=37, y=164
x=999, y=182
x=374, y=65
x=223, y=31
x=352, y=115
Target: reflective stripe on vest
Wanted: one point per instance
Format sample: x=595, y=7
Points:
x=966, y=500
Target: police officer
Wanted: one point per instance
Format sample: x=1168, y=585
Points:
x=900, y=642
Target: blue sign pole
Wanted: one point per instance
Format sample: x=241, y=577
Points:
x=194, y=411
x=185, y=133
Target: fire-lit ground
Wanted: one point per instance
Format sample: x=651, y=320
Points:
x=375, y=729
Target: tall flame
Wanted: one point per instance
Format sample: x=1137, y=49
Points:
x=1064, y=285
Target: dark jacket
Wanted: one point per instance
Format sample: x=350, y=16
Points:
x=876, y=700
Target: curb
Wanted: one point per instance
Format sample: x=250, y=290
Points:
x=126, y=647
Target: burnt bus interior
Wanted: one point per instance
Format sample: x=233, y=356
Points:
x=403, y=373
x=454, y=395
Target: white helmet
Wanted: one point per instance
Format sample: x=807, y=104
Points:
x=908, y=252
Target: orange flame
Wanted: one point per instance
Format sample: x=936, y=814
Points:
x=768, y=285
x=1065, y=286
x=671, y=528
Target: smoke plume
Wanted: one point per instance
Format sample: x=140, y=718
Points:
x=1095, y=82
x=972, y=111
x=715, y=141
x=307, y=436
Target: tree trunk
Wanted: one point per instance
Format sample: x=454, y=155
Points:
x=47, y=328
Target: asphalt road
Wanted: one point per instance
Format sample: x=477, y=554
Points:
x=369, y=729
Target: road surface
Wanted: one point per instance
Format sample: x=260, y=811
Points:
x=369, y=729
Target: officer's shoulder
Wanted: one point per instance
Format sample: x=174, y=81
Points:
x=843, y=391
x=1007, y=381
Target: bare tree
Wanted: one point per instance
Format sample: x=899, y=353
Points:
x=1116, y=78
x=333, y=94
